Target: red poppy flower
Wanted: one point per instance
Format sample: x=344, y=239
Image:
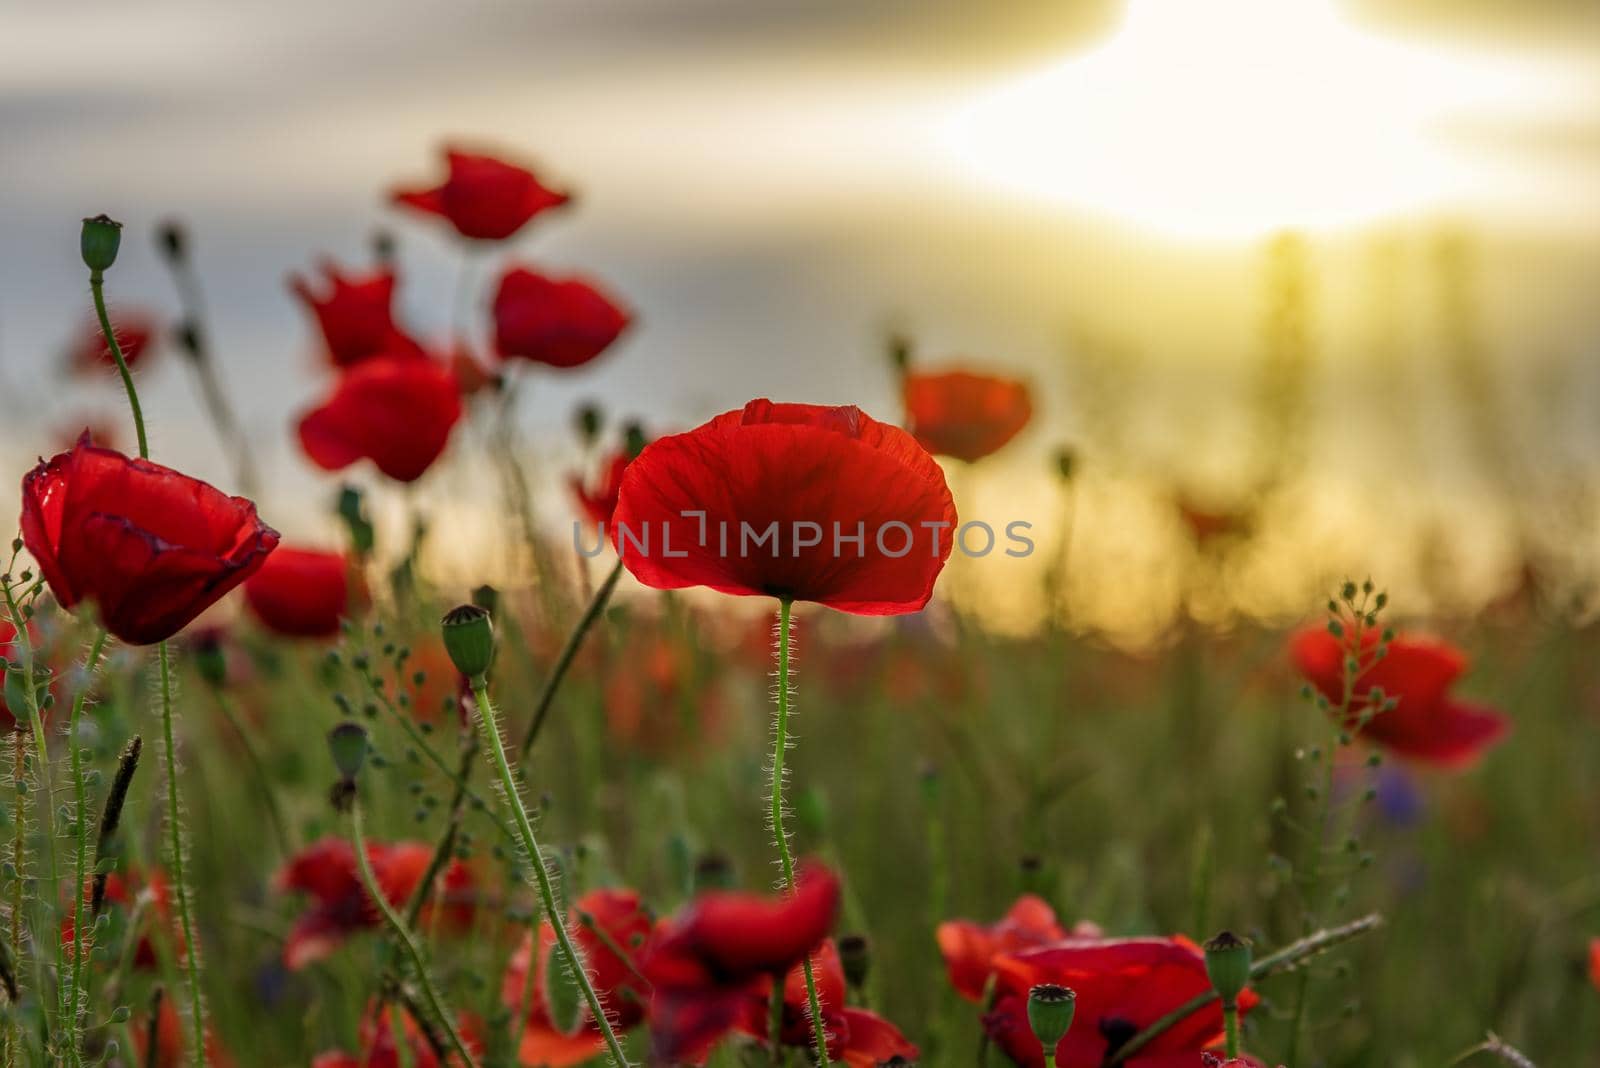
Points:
x=1428, y=725
x=395, y=411
x=702, y=964
x=380, y=1050
x=301, y=593
x=484, y=197
x=121, y=892
x=857, y=1037
x=151, y=548
x=10, y=721
x=135, y=330
x=1594, y=962
x=327, y=871
x=1122, y=987
x=965, y=415
x=563, y=322
x=172, y=1035
x=854, y=513
x=969, y=949
x=356, y=314
x=598, y=497
x=623, y=924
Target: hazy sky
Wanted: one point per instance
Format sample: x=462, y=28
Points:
x=772, y=187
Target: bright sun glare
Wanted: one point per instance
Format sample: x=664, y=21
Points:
x=1233, y=118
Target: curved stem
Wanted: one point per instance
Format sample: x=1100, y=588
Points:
x=558, y=922
x=97, y=287
x=547, y=696
x=780, y=744
x=407, y=942
x=180, y=881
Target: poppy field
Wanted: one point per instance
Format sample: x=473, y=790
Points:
x=782, y=729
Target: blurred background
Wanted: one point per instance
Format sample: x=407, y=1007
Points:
x=1307, y=288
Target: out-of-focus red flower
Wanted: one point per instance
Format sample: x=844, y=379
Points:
x=380, y=1050
x=172, y=1035
x=857, y=1037
x=472, y=376
x=326, y=871
x=562, y=322
x=395, y=411
x=136, y=333
x=1594, y=962
x=659, y=705
x=10, y=721
x=302, y=593
x=1122, y=987
x=806, y=477
x=969, y=949
x=625, y=925
x=150, y=547
x=597, y=497
x=121, y=891
x=1209, y=525
x=965, y=415
x=483, y=197
x=702, y=965
x=102, y=431
x=355, y=313
x=1428, y=725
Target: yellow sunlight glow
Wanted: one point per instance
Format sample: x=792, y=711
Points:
x=1233, y=118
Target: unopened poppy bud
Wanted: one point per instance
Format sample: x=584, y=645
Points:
x=353, y=511
x=589, y=420
x=102, y=236
x=1066, y=463
x=855, y=956
x=187, y=335
x=348, y=744
x=487, y=598
x=469, y=639
x=900, y=352
x=1050, y=1010
x=634, y=440
x=713, y=872
x=1228, y=959
x=173, y=240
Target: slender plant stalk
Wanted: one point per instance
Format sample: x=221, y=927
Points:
x=403, y=935
x=1493, y=1043
x=1230, y=1028
x=780, y=745
x=81, y=942
x=569, y=951
x=97, y=287
x=180, y=881
x=597, y=605
x=19, y=847
x=280, y=826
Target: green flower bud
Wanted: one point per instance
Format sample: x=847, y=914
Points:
x=1228, y=959
x=102, y=236
x=1050, y=1010
x=469, y=639
x=1066, y=463
x=589, y=420
x=348, y=744
x=634, y=439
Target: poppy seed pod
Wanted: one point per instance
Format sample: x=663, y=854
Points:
x=1228, y=959
x=855, y=955
x=348, y=744
x=469, y=639
x=1050, y=1011
x=100, y=240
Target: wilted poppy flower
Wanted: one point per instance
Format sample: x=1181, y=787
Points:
x=172, y=1035
x=380, y=1050
x=301, y=593
x=965, y=415
x=356, y=314
x=969, y=949
x=563, y=322
x=327, y=872
x=857, y=1037
x=597, y=497
x=1427, y=725
x=151, y=548
x=1122, y=987
x=800, y=501
x=483, y=197
x=136, y=333
x=701, y=965
x=395, y=411
x=623, y=924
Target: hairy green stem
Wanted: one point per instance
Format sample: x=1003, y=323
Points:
x=76, y=1001
x=547, y=696
x=180, y=882
x=780, y=745
x=97, y=287
x=513, y=796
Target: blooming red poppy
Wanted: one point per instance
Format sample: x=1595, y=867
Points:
x=789, y=500
x=563, y=322
x=965, y=415
x=483, y=197
x=702, y=964
x=151, y=548
x=857, y=1037
x=969, y=949
x=327, y=871
x=1122, y=987
x=597, y=497
x=136, y=333
x=301, y=593
x=395, y=411
x=603, y=922
x=355, y=313
x=1428, y=725
x=380, y=1050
